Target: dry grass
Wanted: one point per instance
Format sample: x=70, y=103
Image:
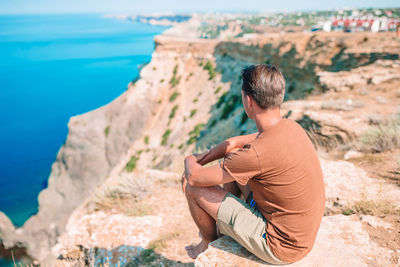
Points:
x=383, y=137
x=161, y=242
x=372, y=207
x=125, y=197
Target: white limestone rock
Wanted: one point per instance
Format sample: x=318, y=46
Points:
x=341, y=241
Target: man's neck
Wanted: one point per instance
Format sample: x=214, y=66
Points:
x=267, y=118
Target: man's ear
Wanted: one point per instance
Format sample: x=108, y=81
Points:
x=249, y=100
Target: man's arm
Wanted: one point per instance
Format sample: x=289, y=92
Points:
x=222, y=149
x=200, y=176
x=197, y=175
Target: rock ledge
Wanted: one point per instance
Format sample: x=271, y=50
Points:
x=341, y=241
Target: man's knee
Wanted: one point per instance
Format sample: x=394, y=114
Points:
x=191, y=191
x=194, y=192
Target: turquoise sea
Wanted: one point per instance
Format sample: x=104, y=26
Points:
x=53, y=67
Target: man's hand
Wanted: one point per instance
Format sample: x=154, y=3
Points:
x=192, y=164
x=201, y=158
x=189, y=161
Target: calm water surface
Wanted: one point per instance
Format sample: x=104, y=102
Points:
x=53, y=67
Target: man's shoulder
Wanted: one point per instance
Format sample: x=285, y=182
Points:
x=287, y=127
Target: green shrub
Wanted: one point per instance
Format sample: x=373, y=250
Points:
x=173, y=96
x=244, y=118
x=218, y=89
x=175, y=80
x=213, y=123
x=107, y=130
x=173, y=111
x=162, y=80
x=348, y=211
x=192, y=112
x=229, y=106
x=195, y=100
x=165, y=137
x=147, y=256
x=188, y=77
x=195, y=133
x=211, y=70
x=131, y=164
x=146, y=139
x=221, y=99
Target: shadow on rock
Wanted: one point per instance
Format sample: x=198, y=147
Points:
x=124, y=255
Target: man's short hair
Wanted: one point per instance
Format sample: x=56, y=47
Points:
x=265, y=84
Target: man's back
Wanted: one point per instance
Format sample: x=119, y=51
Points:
x=283, y=171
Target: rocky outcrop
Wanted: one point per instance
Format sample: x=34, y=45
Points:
x=7, y=231
x=376, y=73
x=316, y=58
x=114, y=239
x=341, y=241
x=96, y=141
x=346, y=185
x=123, y=238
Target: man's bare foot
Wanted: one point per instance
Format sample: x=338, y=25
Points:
x=194, y=250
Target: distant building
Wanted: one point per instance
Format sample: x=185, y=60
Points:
x=364, y=23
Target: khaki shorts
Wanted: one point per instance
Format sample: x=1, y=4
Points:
x=246, y=225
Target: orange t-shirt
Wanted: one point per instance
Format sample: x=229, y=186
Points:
x=283, y=171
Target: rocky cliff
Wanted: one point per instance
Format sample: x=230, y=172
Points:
x=187, y=98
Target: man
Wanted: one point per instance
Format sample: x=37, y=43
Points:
x=277, y=172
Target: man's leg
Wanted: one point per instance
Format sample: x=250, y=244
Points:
x=203, y=204
x=233, y=188
x=237, y=189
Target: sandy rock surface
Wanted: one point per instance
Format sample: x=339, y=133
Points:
x=341, y=241
x=113, y=238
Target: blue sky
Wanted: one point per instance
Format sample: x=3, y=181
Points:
x=141, y=6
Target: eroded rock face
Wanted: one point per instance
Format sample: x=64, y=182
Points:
x=341, y=241
x=107, y=238
x=84, y=162
x=376, y=73
x=103, y=230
